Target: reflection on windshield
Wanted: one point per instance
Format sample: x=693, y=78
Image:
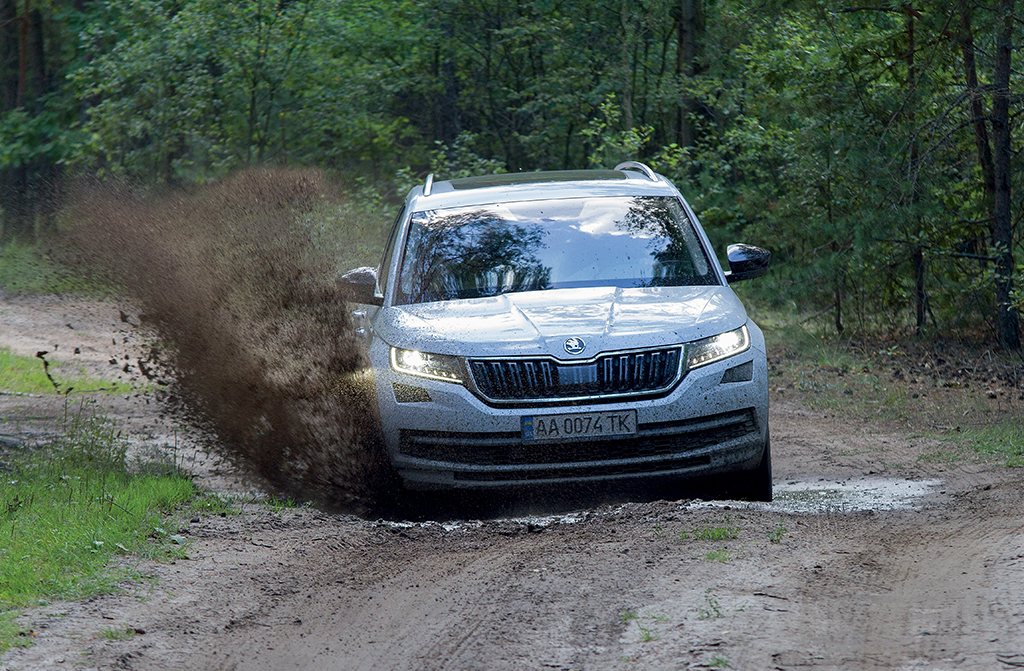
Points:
x=554, y=244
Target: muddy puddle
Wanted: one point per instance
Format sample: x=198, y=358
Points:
x=809, y=497
x=833, y=496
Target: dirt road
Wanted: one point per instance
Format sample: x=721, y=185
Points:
x=870, y=558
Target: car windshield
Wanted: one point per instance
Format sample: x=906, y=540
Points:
x=536, y=245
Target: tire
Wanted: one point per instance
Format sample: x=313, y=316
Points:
x=757, y=484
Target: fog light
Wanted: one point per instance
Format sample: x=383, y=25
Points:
x=406, y=393
x=742, y=373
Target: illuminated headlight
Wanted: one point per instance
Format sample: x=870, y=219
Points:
x=716, y=348
x=433, y=366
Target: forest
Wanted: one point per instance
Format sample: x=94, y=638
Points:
x=874, y=147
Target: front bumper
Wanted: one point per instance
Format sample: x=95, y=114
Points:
x=439, y=435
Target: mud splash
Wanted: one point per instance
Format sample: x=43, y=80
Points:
x=240, y=286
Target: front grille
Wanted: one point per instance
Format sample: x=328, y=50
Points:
x=656, y=440
x=612, y=375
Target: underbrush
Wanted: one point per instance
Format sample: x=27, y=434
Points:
x=1003, y=441
x=958, y=390
x=29, y=268
x=67, y=509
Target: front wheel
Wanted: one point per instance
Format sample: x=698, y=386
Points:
x=756, y=485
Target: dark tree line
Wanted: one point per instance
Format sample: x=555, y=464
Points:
x=873, y=145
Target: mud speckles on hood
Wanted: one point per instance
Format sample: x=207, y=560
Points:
x=537, y=322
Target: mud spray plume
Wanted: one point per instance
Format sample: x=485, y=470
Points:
x=240, y=283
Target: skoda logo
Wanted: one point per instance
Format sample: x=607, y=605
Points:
x=575, y=345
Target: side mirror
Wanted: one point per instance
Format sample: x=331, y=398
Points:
x=746, y=262
x=360, y=285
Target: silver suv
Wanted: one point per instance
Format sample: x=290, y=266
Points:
x=563, y=327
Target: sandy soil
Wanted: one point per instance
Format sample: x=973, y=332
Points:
x=884, y=561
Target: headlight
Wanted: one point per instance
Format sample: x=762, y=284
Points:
x=716, y=348
x=433, y=366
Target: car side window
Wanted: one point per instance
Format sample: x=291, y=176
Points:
x=389, y=252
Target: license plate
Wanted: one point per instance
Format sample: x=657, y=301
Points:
x=579, y=425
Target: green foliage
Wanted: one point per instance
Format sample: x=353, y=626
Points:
x=647, y=634
x=352, y=230
x=1003, y=440
x=69, y=507
x=12, y=635
x=25, y=138
x=711, y=609
x=727, y=531
x=117, y=633
x=841, y=138
x=720, y=556
x=27, y=268
x=611, y=146
x=775, y=535
x=215, y=504
x=188, y=92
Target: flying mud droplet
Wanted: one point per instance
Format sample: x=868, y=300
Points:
x=241, y=286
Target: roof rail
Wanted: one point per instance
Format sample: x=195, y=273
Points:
x=428, y=185
x=636, y=165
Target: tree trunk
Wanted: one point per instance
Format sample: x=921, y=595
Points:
x=627, y=69
x=917, y=256
x=921, y=300
x=23, y=55
x=687, y=39
x=837, y=295
x=1007, y=328
x=9, y=55
x=445, y=113
x=977, y=107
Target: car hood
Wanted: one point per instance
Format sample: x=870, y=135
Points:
x=539, y=322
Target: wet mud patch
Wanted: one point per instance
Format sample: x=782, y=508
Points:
x=847, y=496
x=253, y=337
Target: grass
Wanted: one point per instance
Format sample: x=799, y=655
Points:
x=27, y=375
x=117, y=633
x=711, y=609
x=727, y=531
x=959, y=392
x=215, y=504
x=68, y=508
x=721, y=556
x=279, y=505
x=1004, y=441
x=776, y=534
x=12, y=635
x=647, y=634
x=28, y=268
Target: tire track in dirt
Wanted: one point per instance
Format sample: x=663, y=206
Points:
x=444, y=604
x=925, y=588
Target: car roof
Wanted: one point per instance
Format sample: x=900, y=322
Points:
x=520, y=186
